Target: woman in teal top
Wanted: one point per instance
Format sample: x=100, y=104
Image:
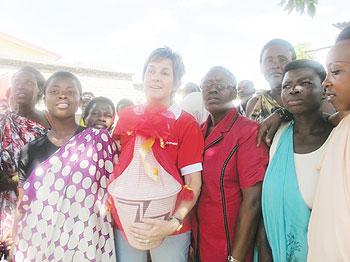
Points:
x=291, y=176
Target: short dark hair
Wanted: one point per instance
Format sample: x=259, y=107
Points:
x=166, y=53
x=124, y=101
x=306, y=63
x=278, y=42
x=344, y=34
x=96, y=100
x=88, y=93
x=63, y=75
x=40, y=79
x=227, y=72
x=249, y=83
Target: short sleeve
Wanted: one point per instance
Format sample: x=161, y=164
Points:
x=190, y=154
x=251, y=160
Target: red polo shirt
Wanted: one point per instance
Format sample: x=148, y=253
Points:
x=181, y=154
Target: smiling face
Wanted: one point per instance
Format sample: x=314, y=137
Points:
x=218, y=92
x=24, y=89
x=100, y=116
x=159, y=84
x=62, y=97
x=302, y=91
x=273, y=62
x=337, y=82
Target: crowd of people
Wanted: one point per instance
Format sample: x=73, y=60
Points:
x=267, y=180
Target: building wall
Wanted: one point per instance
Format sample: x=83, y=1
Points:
x=113, y=88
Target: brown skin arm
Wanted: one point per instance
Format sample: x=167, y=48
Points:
x=248, y=220
x=250, y=106
x=268, y=129
x=264, y=250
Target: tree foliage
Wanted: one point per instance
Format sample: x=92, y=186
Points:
x=300, y=6
x=303, y=51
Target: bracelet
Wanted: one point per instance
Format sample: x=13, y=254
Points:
x=283, y=113
x=231, y=259
x=178, y=220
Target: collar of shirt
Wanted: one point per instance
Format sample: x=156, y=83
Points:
x=176, y=110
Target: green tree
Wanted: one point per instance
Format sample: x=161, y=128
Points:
x=303, y=51
x=300, y=6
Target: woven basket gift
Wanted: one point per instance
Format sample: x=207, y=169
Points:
x=138, y=195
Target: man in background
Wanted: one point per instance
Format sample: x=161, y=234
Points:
x=246, y=91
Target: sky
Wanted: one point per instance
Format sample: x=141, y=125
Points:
x=119, y=35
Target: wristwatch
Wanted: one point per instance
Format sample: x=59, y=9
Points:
x=231, y=259
x=283, y=113
x=178, y=219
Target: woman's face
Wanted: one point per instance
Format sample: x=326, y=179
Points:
x=24, y=89
x=337, y=82
x=217, y=92
x=159, y=82
x=273, y=62
x=100, y=116
x=62, y=98
x=302, y=91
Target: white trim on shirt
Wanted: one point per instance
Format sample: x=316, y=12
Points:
x=197, y=167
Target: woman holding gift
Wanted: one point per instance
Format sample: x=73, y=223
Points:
x=160, y=159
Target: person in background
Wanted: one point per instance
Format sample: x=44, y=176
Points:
x=291, y=178
x=190, y=88
x=123, y=103
x=245, y=91
x=62, y=212
x=25, y=92
x=274, y=56
x=228, y=210
x=18, y=127
x=99, y=113
x=194, y=105
x=86, y=98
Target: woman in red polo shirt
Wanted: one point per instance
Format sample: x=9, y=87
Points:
x=158, y=177
x=233, y=170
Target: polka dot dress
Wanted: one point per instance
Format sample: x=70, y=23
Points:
x=65, y=217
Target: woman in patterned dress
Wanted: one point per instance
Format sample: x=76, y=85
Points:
x=63, y=180
x=19, y=126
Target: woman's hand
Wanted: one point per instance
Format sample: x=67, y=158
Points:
x=6, y=246
x=268, y=129
x=153, y=230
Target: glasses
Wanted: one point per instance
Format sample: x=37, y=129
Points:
x=220, y=86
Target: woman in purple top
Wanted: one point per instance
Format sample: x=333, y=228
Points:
x=63, y=180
